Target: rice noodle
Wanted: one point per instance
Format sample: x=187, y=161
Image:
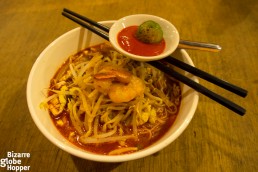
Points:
x=73, y=71
x=163, y=97
x=107, y=134
x=122, y=150
x=87, y=140
x=76, y=123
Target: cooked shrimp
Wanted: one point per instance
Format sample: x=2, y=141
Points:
x=103, y=85
x=108, y=74
x=119, y=84
x=114, y=72
x=120, y=92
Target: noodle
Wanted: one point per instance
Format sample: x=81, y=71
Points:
x=85, y=139
x=128, y=107
x=122, y=150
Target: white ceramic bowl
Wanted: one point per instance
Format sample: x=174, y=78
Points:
x=170, y=35
x=47, y=64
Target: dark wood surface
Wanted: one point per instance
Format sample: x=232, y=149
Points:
x=216, y=139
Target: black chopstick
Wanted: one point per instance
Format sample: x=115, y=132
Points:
x=158, y=64
x=208, y=77
x=89, y=27
x=94, y=23
x=223, y=101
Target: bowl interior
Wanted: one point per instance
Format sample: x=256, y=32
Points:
x=170, y=35
x=44, y=69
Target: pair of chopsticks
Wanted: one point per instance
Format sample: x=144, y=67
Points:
x=103, y=30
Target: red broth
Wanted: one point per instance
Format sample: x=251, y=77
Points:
x=143, y=140
x=128, y=42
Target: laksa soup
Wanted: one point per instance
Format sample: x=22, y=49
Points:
x=108, y=104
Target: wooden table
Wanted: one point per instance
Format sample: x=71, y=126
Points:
x=217, y=139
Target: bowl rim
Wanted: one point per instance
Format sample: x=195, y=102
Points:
x=97, y=157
